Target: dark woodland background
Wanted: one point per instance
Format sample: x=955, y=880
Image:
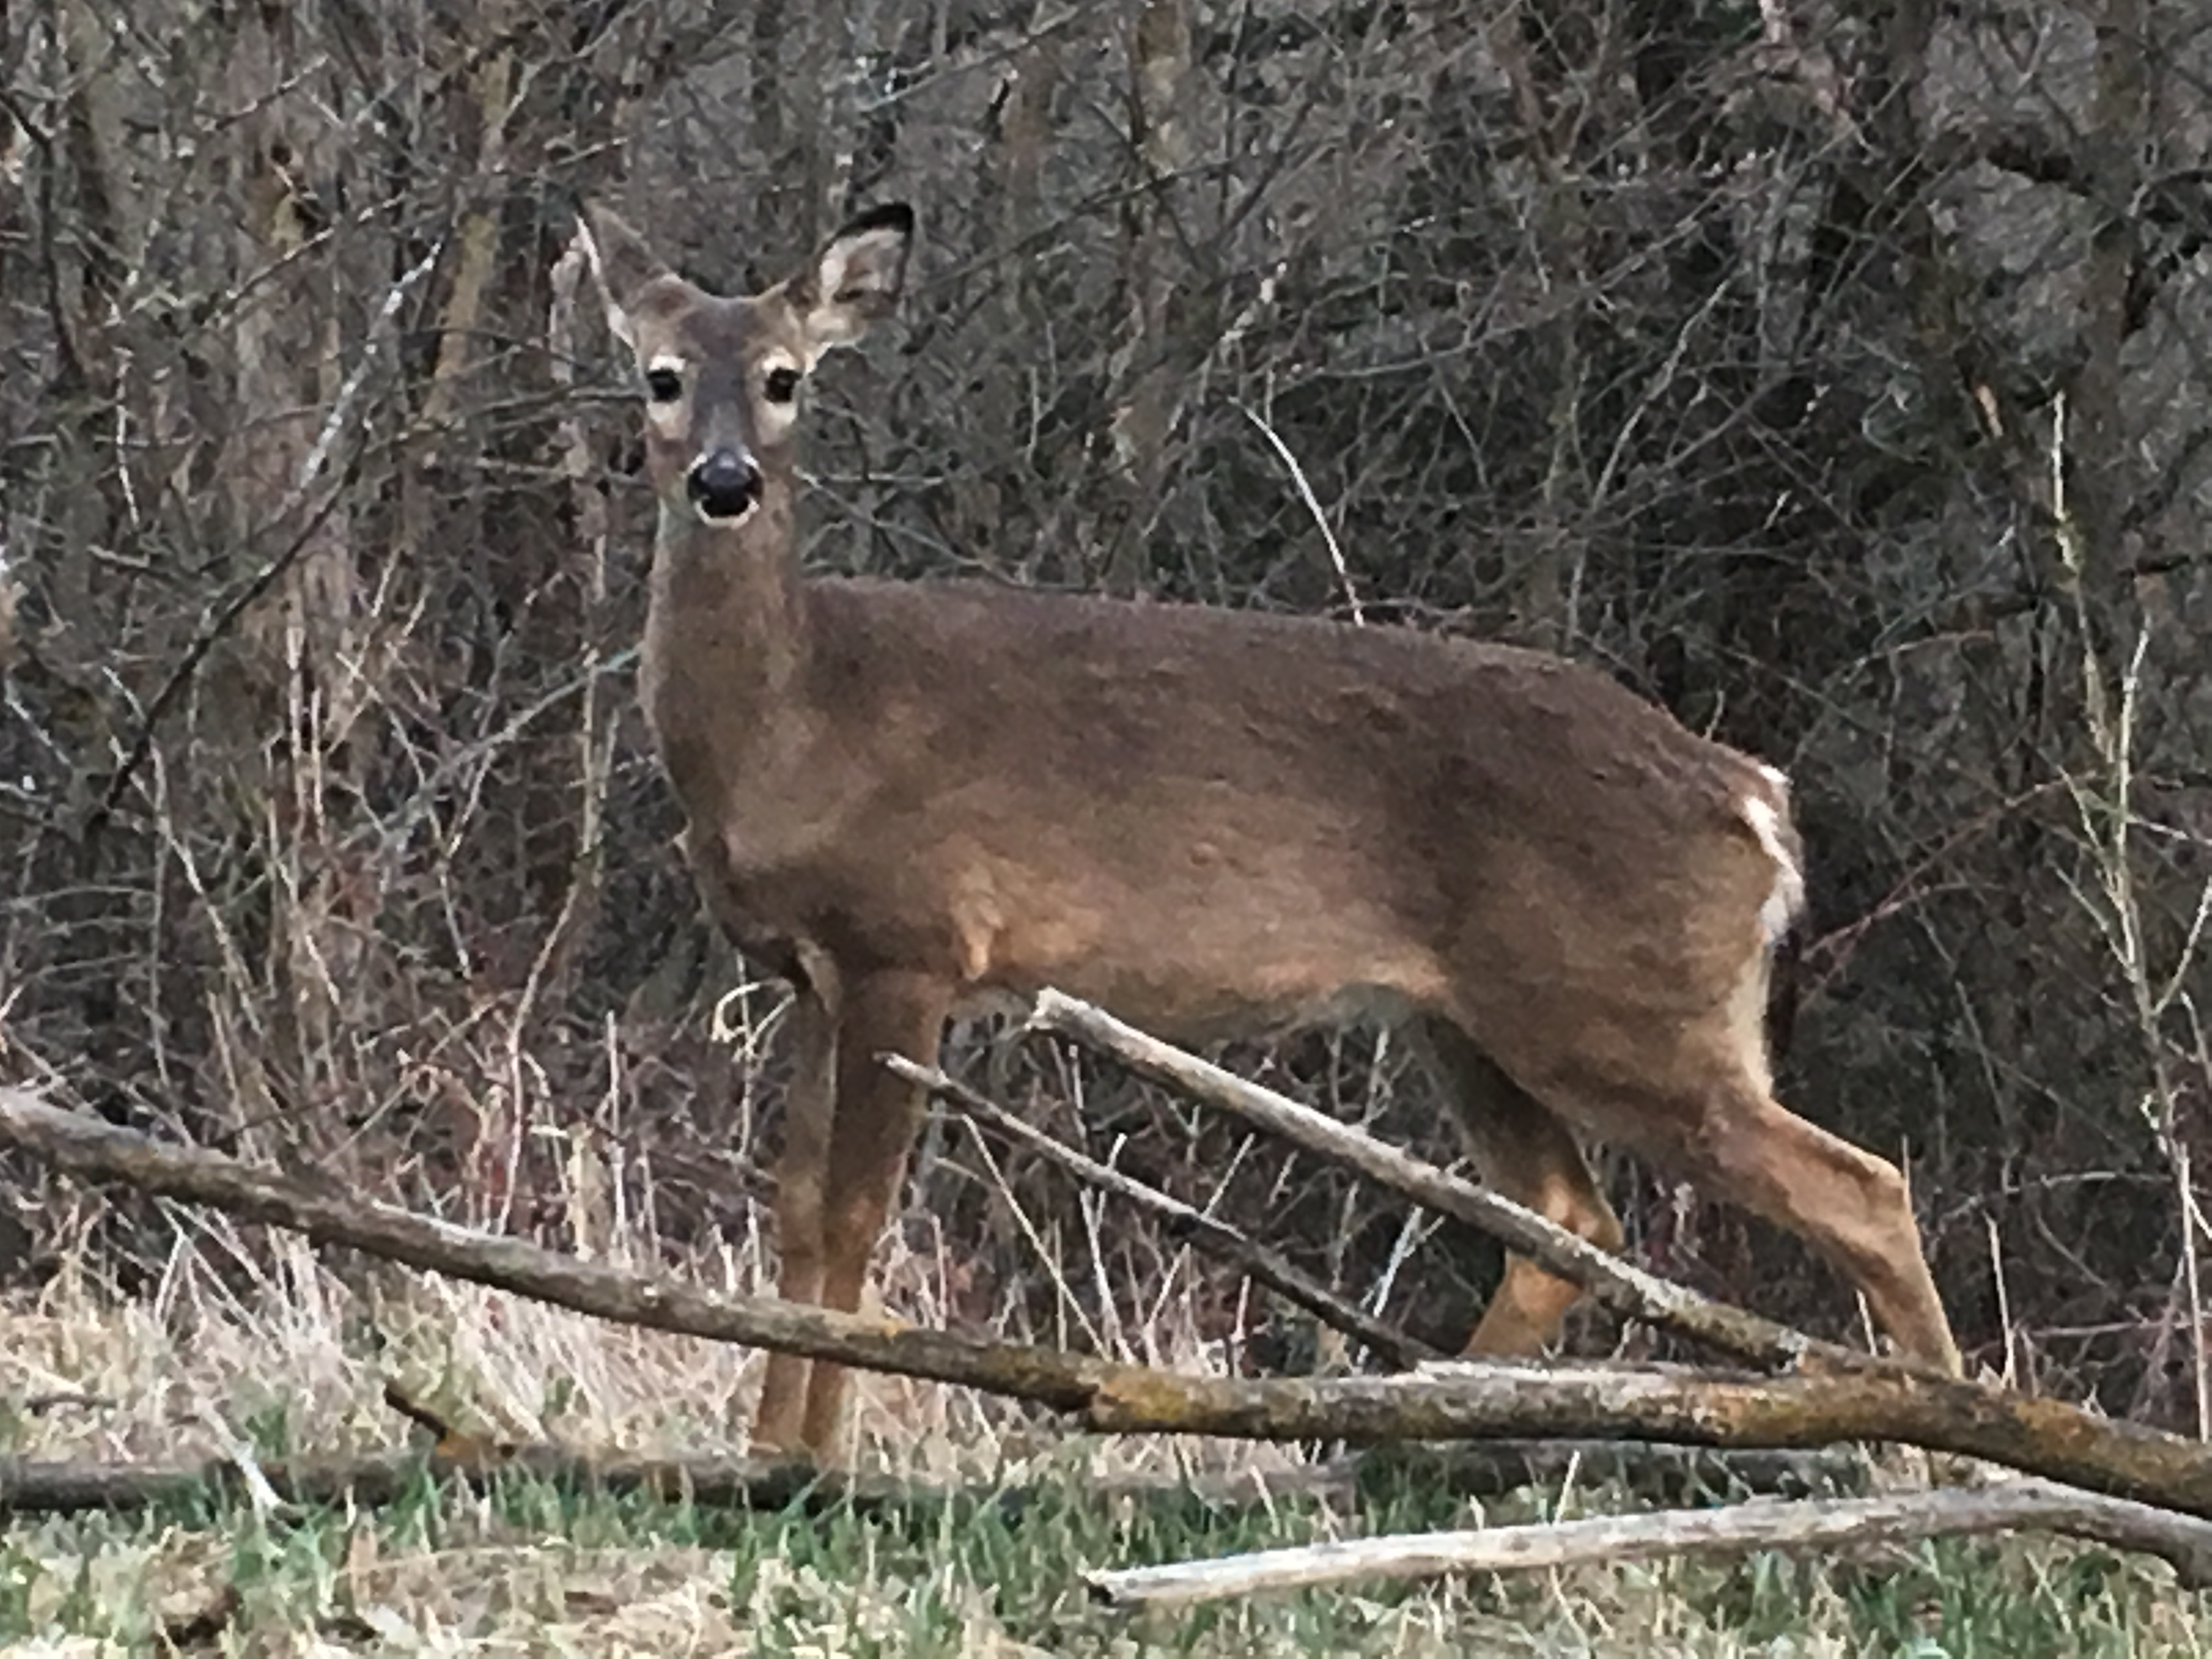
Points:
x=1838, y=373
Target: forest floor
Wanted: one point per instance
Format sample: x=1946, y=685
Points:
x=248, y=1337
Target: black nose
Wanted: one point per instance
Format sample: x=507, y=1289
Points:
x=724, y=484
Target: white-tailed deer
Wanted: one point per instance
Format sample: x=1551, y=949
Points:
x=908, y=798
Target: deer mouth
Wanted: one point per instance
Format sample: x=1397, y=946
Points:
x=715, y=519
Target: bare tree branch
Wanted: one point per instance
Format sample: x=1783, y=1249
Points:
x=1615, y=1283
x=1841, y=1523
x=1216, y=1237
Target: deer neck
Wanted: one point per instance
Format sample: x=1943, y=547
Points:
x=722, y=670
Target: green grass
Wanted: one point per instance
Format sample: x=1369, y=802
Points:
x=525, y=1566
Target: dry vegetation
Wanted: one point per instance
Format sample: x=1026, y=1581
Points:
x=1832, y=372
x=252, y=1342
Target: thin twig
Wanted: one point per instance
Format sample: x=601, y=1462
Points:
x=1184, y=1221
x=1313, y=506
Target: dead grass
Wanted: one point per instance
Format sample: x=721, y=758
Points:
x=256, y=1336
x=246, y=1339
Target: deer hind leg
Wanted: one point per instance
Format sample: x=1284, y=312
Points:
x=1525, y=1152
x=877, y=1118
x=1851, y=1207
x=801, y=1175
x=1699, y=1100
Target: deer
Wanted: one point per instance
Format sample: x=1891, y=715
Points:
x=913, y=800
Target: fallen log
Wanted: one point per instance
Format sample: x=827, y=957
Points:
x=1660, y=1474
x=1606, y=1540
x=1663, y=1475
x=63, y=1485
x=87, y=1145
x=71, y=1485
x=1461, y=1400
x=68, y=1485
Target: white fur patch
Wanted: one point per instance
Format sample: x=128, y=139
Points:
x=668, y=416
x=1787, y=897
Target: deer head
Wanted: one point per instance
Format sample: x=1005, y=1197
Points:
x=722, y=377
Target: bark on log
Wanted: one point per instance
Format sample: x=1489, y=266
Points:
x=1604, y=1540
x=1449, y=1402
x=1658, y=1473
x=49, y=1486
x=69, y=1485
x=1662, y=1475
x=1619, y=1285
x=1186, y=1223
x=1467, y=1400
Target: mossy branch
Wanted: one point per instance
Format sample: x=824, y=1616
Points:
x=1447, y=1402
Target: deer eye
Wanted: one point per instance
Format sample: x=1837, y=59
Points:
x=781, y=384
x=663, y=385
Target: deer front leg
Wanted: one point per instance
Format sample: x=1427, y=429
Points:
x=1528, y=1154
x=877, y=1118
x=801, y=1178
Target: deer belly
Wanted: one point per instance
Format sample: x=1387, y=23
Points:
x=1198, y=973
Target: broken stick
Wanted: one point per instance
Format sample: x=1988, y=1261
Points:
x=1217, y=1237
x=1763, y=1524
x=1618, y=1285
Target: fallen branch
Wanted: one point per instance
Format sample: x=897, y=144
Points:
x=1446, y=1402
x=1618, y=1285
x=87, y=1145
x=34, y=1404
x=1663, y=1474
x=1467, y=1400
x=1608, y=1540
x=53, y=1486
x=71, y=1485
x=1183, y=1221
x=1684, y=1476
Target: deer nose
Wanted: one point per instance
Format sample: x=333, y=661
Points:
x=724, y=484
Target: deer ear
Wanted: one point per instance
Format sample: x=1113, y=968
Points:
x=621, y=262
x=856, y=281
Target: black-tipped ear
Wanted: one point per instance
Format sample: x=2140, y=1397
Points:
x=895, y=217
x=857, y=279
x=621, y=262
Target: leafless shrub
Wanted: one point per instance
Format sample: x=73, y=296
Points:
x=1722, y=350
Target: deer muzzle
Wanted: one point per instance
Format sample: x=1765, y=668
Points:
x=724, y=484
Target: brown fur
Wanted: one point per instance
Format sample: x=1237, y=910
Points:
x=908, y=798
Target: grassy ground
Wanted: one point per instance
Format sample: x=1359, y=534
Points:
x=528, y=1570
x=250, y=1339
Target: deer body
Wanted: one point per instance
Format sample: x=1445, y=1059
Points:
x=1262, y=785
x=910, y=800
